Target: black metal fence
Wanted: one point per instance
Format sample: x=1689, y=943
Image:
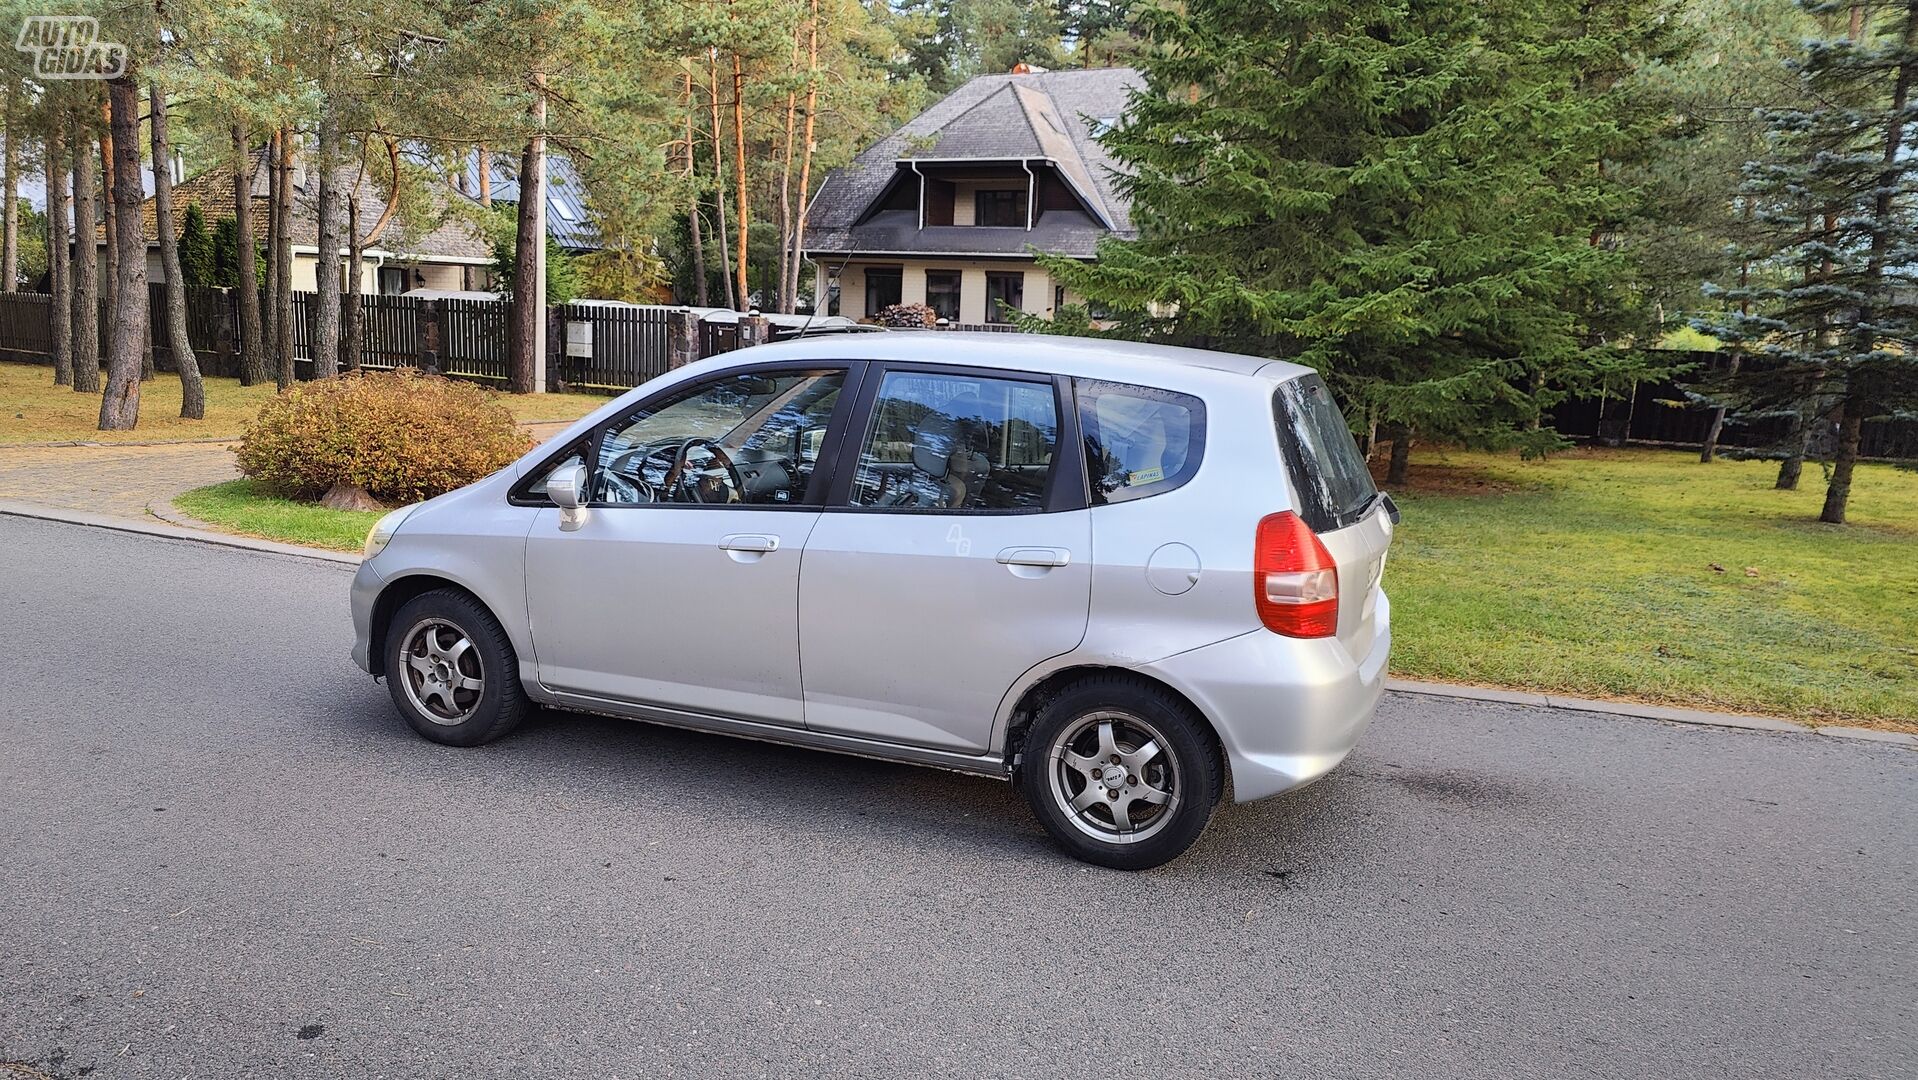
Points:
x=1659, y=412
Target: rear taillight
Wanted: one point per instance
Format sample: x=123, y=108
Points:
x=1294, y=580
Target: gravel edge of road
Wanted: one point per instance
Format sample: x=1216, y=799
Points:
x=176, y=529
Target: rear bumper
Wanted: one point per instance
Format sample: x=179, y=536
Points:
x=1288, y=711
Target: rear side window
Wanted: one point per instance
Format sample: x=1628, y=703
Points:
x=1327, y=470
x=1139, y=441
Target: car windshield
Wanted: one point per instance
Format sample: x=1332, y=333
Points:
x=1327, y=470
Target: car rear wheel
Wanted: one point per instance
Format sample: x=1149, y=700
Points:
x=1120, y=772
x=451, y=670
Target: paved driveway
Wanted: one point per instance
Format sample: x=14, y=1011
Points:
x=225, y=856
x=120, y=480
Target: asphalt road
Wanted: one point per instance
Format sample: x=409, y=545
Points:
x=224, y=855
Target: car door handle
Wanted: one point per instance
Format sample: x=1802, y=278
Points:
x=1034, y=556
x=758, y=542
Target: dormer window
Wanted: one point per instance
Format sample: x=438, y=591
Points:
x=1000, y=207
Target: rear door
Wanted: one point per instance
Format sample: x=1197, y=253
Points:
x=1338, y=501
x=953, y=554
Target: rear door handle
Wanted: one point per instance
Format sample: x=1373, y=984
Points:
x=759, y=542
x=1035, y=556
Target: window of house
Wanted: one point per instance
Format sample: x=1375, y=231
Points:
x=1005, y=293
x=884, y=287
x=1002, y=208
x=942, y=293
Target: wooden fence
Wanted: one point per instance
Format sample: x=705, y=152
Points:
x=594, y=347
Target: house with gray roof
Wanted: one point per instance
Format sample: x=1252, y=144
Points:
x=948, y=210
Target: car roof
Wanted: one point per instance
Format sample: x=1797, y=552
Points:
x=1051, y=353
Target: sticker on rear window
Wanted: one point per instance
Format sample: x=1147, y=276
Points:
x=1145, y=476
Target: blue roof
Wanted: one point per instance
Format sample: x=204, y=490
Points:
x=568, y=222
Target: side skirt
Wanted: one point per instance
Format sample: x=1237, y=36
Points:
x=989, y=765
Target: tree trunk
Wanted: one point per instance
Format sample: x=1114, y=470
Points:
x=325, y=345
x=109, y=258
x=120, y=407
x=86, y=264
x=192, y=390
x=739, y=162
x=270, y=345
x=782, y=302
x=692, y=190
x=252, y=345
x=529, y=296
x=58, y=253
x=1838, y=492
x=353, y=313
x=485, y=157
x=1401, y=458
x=719, y=187
x=1710, y=450
x=1793, y=466
x=805, y=154
x=9, y=190
x=283, y=262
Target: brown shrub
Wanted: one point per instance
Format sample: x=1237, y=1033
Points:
x=403, y=436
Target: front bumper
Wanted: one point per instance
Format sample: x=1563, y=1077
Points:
x=367, y=584
x=1288, y=711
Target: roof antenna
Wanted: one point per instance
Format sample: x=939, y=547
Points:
x=817, y=292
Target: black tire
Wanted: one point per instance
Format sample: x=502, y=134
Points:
x=462, y=717
x=1187, y=767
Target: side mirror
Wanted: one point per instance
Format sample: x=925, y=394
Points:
x=566, y=486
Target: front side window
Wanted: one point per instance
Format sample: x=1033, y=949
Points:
x=942, y=293
x=1005, y=294
x=743, y=438
x=1139, y=441
x=957, y=442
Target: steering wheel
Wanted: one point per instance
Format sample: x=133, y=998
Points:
x=674, y=474
x=624, y=474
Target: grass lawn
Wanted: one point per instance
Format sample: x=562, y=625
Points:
x=1595, y=573
x=238, y=506
x=33, y=410
x=1643, y=574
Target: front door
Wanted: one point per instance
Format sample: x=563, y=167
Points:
x=680, y=590
x=949, y=560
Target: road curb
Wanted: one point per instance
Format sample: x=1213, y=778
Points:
x=117, y=444
x=162, y=527
x=1642, y=711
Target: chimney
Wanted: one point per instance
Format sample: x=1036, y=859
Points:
x=299, y=166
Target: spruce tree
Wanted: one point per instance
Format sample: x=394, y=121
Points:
x=1410, y=196
x=1833, y=323
x=196, y=247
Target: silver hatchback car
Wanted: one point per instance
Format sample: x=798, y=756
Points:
x=1131, y=579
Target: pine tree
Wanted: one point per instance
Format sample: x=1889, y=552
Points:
x=1834, y=320
x=1409, y=196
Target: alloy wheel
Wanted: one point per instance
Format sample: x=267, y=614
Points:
x=1114, y=776
x=442, y=675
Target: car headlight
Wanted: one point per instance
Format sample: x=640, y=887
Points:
x=383, y=530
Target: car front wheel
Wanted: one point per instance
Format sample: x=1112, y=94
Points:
x=451, y=670
x=1120, y=773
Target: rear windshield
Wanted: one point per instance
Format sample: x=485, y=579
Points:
x=1335, y=490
